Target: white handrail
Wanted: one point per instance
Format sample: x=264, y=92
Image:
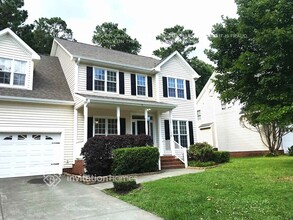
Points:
x=181, y=153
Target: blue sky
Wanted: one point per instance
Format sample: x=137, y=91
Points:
x=143, y=20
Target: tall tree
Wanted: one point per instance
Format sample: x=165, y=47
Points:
x=254, y=55
x=45, y=30
x=176, y=38
x=108, y=35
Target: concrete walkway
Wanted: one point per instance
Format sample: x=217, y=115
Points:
x=151, y=177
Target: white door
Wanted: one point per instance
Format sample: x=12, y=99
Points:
x=28, y=154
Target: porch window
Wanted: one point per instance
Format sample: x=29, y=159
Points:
x=141, y=85
x=105, y=80
x=12, y=72
x=105, y=126
x=175, y=87
x=180, y=132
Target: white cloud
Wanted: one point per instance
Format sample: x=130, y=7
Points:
x=144, y=20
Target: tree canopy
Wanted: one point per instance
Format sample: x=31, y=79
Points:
x=108, y=35
x=254, y=54
x=45, y=29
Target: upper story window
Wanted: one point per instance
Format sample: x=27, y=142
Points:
x=105, y=80
x=12, y=72
x=141, y=85
x=175, y=87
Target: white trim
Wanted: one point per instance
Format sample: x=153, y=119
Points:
x=106, y=80
x=118, y=114
x=85, y=120
x=34, y=55
x=158, y=67
x=55, y=47
x=76, y=66
x=176, y=88
x=35, y=100
x=187, y=129
x=106, y=124
x=157, y=87
x=145, y=85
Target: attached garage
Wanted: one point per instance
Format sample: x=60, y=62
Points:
x=28, y=154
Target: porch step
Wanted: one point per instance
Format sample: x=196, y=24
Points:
x=171, y=162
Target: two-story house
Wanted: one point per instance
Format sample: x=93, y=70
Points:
x=81, y=90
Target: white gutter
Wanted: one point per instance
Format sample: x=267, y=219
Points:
x=35, y=100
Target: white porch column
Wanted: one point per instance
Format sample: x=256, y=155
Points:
x=161, y=148
x=172, y=145
x=146, y=121
x=85, y=121
x=118, y=120
x=75, y=149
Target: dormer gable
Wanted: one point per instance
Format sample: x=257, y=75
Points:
x=16, y=61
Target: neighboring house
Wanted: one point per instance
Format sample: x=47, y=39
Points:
x=219, y=125
x=51, y=105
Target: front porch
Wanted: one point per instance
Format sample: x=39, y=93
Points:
x=108, y=116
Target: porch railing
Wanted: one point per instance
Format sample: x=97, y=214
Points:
x=173, y=148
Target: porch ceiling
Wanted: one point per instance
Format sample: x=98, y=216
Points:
x=128, y=103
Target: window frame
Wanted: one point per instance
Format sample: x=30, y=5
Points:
x=12, y=73
x=106, y=80
x=145, y=84
x=176, y=88
x=106, y=125
x=179, y=134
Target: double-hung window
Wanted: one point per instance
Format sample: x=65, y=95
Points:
x=12, y=72
x=180, y=132
x=175, y=87
x=105, y=126
x=141, y=85
x=105, y=80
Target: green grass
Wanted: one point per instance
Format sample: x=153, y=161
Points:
x=246, y=188
x=194, y=163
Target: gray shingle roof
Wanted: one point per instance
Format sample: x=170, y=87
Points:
x=49, y=82
x=99, y=53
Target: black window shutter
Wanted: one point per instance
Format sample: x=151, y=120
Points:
x=133, y=84
x=188, y=89
x=191, y=137
x=121, y=83
x=122, y=126
x=90, y=126
x=89, y=78
x=165, y=88
x=167, y=130
x=150, y=86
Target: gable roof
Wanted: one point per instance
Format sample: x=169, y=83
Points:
x=49, y=83
x=35, y=56
x=92, y=52
x=206, y=86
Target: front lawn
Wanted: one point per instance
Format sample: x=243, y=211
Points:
x=246, y=188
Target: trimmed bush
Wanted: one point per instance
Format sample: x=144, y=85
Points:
x=97, y=152
x=124, y=185
x=221, y=156
x=290, y=151
x=202, y=152
x=135, y=160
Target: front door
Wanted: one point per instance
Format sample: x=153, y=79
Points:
x=138, y=125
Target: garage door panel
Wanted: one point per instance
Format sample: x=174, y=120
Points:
x=30, y=154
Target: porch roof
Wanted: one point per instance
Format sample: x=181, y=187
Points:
x=128, y=102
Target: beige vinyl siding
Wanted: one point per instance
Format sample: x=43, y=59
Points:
x=127, y=86
x=40, y=117
x=68, y=67
x=80, y=125
x=185, y=109
x=10, y=48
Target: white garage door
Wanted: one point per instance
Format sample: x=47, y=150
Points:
x=28, y=154
x=206, y=135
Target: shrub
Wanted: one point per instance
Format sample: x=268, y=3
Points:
x=290, y=151
x=97, y=152
x=201, y=152
x=124, y=185
x=221, y=156
x=135, y=160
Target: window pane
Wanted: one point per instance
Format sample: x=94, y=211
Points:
x=111, y=76
x=100, y=126
x=4, y=78
x=180, y=93
x=172, y=92
x=99, y=85
x=180, y=84
x=183, y=140
x=141, y=90
x=171, y=83
x=19, y=66
x=112, y=126
x=182, y=127
x=140, y=80
x=176, y=138
x=5, y=65
x=175, y=127
x=99, y=74
x=19, y=79
x=111, y=87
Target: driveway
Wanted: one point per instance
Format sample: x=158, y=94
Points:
x=30, y=198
